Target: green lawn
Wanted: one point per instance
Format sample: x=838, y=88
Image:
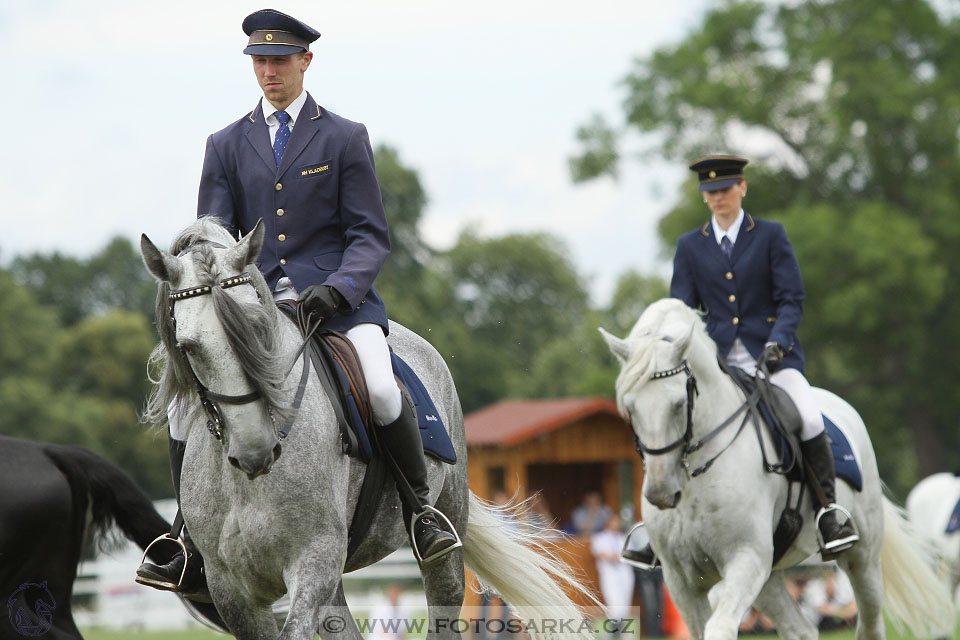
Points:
x=205, y=634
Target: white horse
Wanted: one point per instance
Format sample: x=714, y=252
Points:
x=930, y=505
x=268, y=523
x=713, y=530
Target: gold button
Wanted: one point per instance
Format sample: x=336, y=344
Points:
x=278, y=187
x=281, y=237
x=713, y=174
x=268, y=37
x=736, y=320
x=732, y=298
x=279, y=212
x=729, y=273
x=283, y=261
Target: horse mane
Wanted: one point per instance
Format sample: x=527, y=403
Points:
x=669, y=320
x=251, y=331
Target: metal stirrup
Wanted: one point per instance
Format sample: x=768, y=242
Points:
x=450, y=529
x=626, y=548
x=839, y=546
x=186, y=558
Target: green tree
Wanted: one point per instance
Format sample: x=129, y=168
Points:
x=849, y=110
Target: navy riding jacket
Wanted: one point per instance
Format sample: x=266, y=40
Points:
x=324, y=217
x=757, y=294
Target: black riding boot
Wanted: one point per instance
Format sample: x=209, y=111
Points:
x=192, y=583
x=402, y=439
x=836, y=537
x=643, y=558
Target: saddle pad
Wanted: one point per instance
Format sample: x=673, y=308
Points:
x=953, y=524
x=436, y=440
x=843, y=458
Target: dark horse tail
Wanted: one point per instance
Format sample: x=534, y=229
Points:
x=110, y=495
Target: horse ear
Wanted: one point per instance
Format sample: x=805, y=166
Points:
x=161, y=264
x=248, y=249
x=620, y=348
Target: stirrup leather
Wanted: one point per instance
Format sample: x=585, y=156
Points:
x=838, y=545
x=186, y=559
x=448, y=528
x=626, y=548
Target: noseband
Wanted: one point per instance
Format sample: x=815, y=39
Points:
x=208, y=398
x=685, y=440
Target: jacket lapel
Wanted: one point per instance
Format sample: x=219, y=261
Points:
x=711, y=248
x=259, y=136
x=303, y=131
x=744, y=238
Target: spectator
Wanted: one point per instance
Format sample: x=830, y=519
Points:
x=755, y=622
x=832, y=598
x=591, y=516
x=389, y=618
x=538, y=516
x=616, y=578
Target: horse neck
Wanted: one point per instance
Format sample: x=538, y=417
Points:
x=718, y=398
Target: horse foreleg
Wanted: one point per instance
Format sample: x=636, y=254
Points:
x=244, y=619
x=775, y=601
x=317, y=603
x=743, y=578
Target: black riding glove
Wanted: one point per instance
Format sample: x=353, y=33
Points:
x=772, y=356
x=321, y=300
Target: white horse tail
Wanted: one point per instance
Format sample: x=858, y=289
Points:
x=514, y=562
x=913, y=594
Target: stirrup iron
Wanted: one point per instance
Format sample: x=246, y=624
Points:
x=444, y=521
x=186, y=559
x=643, y=566
x=840, y=545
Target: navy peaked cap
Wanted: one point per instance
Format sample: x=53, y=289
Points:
x=276, y=34
x=719, y=172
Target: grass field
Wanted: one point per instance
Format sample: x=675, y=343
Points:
x=204, y=634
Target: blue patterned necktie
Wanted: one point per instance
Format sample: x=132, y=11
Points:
x=726, y=246
x=283, y=135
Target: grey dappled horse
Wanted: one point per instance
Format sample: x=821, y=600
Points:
x=712, y=526
x=283, y=527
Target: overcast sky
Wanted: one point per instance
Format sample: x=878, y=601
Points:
x=108, y=105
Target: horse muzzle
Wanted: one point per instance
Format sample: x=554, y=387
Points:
x=256, y=465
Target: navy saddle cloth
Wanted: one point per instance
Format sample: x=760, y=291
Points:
x=844, y=461
x=953, y=524
x=436, y=440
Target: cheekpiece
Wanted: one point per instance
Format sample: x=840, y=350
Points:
x=273, y=33
x=719, y=172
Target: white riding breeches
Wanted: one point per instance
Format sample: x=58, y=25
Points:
x=799, y=390
x=791, y=381
x=374, y=355
x=371, y=347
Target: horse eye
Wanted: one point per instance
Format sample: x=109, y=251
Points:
x=186, y=348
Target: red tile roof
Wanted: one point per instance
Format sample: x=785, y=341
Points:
x=513, y=421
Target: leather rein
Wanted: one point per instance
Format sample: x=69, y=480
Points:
x=684, y=442
x=210, y=398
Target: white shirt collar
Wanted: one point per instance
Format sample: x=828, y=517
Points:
x=731, y=233
x=293, y=110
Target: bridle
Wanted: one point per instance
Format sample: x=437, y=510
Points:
x=210, y=398
x=684, y=441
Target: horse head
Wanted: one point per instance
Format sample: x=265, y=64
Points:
x=218, y=346
x=655, y=392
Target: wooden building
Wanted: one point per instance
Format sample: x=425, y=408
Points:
x=561, y=448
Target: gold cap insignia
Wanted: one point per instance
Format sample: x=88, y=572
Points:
x=713, y=174
x=268, y=37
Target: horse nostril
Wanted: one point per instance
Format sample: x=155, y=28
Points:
x=234, y=462
x=276, y=452
x=676, y=498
